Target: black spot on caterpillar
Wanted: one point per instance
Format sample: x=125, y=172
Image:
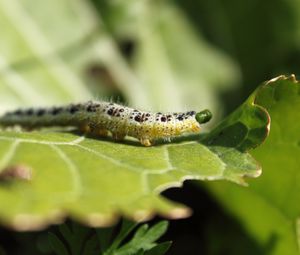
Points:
x=101, y=117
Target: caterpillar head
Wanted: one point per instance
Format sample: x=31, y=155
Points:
x=203, y=116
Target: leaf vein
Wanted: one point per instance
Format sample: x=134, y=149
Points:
x=72, y=167
x=114, y=161
x=10, y=153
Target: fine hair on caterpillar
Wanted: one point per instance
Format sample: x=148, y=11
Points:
x=100, y=118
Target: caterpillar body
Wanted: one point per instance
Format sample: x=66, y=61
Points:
x=100, y=118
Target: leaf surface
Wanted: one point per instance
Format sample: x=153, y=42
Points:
x=94, y=180
x=269, y=209
x=86, y=178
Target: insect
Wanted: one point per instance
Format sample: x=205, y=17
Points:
x=100, y=118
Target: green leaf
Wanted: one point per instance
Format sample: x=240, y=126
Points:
x=88, y=179
x=104, y=236
x=298, y=231
x=141, y=231
x=127, y=227
x=161, y=30
x=57, y=245
x=29, y=63
x=143, y=239
x=156, y=232
x=269, y=209
x=140, y=252
x=66, y=232
x=78, y=176
x=91, y=246
x=78, y=239
x=243, y=130
x=156, y=31
x=159, y=249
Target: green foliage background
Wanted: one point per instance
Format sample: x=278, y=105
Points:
x=174, y=55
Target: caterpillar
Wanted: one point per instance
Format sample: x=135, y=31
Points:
x=100, y=118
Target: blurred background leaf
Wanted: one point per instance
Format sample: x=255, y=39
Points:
x=139, y=56
x=262, y=36
x=30, y=68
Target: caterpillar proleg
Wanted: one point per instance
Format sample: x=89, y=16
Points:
x=100, y=118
